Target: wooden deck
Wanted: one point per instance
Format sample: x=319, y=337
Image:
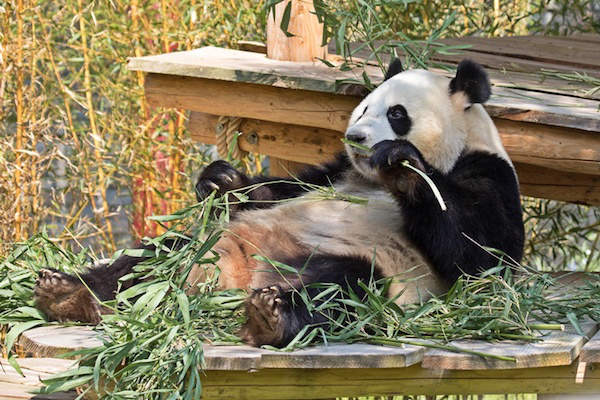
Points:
x=241, y=372
x=295, y=111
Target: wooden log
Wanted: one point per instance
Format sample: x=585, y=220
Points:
x=568, y=150
x=301, y=144
x=54, y=341
x=267, y=103
x=305, y=44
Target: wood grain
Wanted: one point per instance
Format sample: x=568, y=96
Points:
x=591, y=350
x=53, y=341
x=548, y=183
x=233, y=66
x=15, y=386
x=56, y=340
x=538, y=152
x=305, y=44
x=556, y=348
x=273, y=383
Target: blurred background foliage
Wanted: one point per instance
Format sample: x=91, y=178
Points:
x=85, y=158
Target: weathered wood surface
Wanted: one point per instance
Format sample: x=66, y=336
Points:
x=54, y=340
x=591, y=350
x=247, y=67
x=303, y=24
x=274, y=383
x=565, y=149
x=556, y=348
x=15, y=386
x=509, y=75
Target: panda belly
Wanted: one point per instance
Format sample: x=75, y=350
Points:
x=309, y=225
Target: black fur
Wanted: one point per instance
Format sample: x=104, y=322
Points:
x=323, y=175
x=394, y=68
x=472, y=79
x=399, y=120
x=482, y=196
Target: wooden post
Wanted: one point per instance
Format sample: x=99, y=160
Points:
x=305, y=46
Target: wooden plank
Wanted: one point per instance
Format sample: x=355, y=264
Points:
x=301, y=144
x=543, y=49
x=244, y=358
x=546, y=146
x=547, y=183
x=337, y=356
x=272, y=383
x=591, y=350
x=488, y=60
x=53, y=340
x=15, y=386
x=284, y=168
x=568, y=150
x=556, y=348
x=269, y=103
x=561, y=149
x=170, y=85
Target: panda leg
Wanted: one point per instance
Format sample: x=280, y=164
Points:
x=63, y=297
x=276, y=314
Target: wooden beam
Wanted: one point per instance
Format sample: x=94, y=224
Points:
x=563, y=149
x=330, y=383
x=296, y=143
x=267, y=103
x=557, y=185
x=311, y=145
x=568, y=150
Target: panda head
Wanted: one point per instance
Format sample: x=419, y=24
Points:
x=428, y=110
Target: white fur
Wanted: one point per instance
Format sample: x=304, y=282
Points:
x=441, y=127
x=344, y=228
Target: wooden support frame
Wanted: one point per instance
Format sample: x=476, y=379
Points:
x=330, y=383
x=526, y=144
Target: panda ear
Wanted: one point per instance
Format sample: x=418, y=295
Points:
x=394, y=68
x=471, y=79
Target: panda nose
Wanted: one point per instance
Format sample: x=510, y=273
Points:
x=357, y=137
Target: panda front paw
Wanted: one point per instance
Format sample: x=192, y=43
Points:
x=389, y=157
x=219, y=176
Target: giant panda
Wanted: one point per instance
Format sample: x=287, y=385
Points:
x=439, y=126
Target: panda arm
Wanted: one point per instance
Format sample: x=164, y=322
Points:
x=482, y=196
x=266, y=191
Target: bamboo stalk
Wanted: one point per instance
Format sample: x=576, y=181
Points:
x=95, y=133
x=18, y=227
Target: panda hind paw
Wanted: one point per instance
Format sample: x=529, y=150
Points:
x=265, y=309
x=62, y=297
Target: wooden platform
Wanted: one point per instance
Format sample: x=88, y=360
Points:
x=242, y=372
x=297, y=112
x=14, y=386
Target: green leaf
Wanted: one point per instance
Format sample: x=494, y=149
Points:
x=285, y=19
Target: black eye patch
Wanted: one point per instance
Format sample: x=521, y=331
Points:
x=399, y=120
